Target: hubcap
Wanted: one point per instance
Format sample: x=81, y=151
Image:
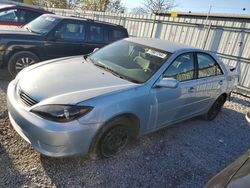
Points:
x=114, y=141
x=23, y=63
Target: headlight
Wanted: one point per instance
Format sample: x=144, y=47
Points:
x=61, y=113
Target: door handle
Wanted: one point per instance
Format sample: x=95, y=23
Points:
x=220, y=82
x=191, y=89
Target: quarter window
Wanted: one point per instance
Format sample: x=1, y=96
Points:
x=182, y=68
x=207, y=66
x=72, y=32
x=96, y=33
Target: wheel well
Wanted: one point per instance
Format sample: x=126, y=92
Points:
x=224, y=96
x=134, y=127
x=135, y=123
x=17, y=51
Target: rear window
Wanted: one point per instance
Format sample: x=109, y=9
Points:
x=116, y=34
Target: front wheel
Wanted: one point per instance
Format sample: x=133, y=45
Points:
x=20, y=60
x=215, y=109
x=114, y=140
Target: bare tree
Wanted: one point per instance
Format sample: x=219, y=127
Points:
x=138, y=10
x=75, y=4
x=96, y=5
x=158, y=6
x=116, y=6
x=51, y=3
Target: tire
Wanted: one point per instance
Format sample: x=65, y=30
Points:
x=20, y=60
x=215, y=108
x=115, y=138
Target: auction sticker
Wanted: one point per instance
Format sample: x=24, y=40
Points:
x=50, y=19
x=156, y=53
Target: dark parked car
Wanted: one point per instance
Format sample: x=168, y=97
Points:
x=18, y=15
x=50, y=36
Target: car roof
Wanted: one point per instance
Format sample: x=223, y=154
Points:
x=81, y=18
x=33, y=8
x=161, y=44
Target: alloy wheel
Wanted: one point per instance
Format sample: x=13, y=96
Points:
x=23, y=63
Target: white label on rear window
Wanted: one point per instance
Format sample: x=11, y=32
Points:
x=50, y=19
x=155, y=53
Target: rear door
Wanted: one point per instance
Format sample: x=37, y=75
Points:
x=211, y=80
x=96, y=37
x=116, y=33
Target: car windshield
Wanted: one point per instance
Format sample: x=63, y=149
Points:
x=129, y=60
x=42, y=25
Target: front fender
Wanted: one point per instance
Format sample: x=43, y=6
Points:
x=133, y=101
x=13, y=47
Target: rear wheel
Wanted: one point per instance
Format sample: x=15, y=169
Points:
x=20, y=60
x=215, y=109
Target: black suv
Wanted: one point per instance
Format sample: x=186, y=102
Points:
x=51, y=36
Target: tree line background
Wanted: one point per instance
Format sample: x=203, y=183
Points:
x=114, y=6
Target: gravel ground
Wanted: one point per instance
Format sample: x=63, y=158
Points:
x=187, y=154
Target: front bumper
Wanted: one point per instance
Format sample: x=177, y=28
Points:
x=47, y=137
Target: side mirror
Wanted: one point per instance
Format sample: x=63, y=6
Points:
x=167, y=83
x=96, y=49
x=58, y=35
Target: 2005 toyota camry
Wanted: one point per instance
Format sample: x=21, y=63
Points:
x=95, y=104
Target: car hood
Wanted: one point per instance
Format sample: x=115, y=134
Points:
x=68, y=81
x=16, y=31
x=235, y=175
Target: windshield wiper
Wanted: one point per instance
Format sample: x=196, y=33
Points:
x=31, y=31
x=108, y=70
x=115, y=73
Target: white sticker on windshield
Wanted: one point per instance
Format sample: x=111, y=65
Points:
x=50, y=19
x=155, y=53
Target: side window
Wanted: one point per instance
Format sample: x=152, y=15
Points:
x=72, y=31
x=30, y=15
x=115, y=34
x=207, y=66
x=182, y=68
x=96, y=33
x=12, y=15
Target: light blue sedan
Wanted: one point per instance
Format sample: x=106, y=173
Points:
x=95, y=104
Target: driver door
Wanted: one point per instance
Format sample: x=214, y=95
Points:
x=70, y=42
x=174, y=104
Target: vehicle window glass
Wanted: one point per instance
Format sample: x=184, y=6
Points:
x=182, y=68
x=42, y=24
x=115, y=35
x=132, y=61
x=72, y=31
x=207, y=66
x=30, y=15
x=96, y=33
x=13, y=15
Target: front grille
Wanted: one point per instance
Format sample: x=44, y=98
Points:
x=26, y=99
